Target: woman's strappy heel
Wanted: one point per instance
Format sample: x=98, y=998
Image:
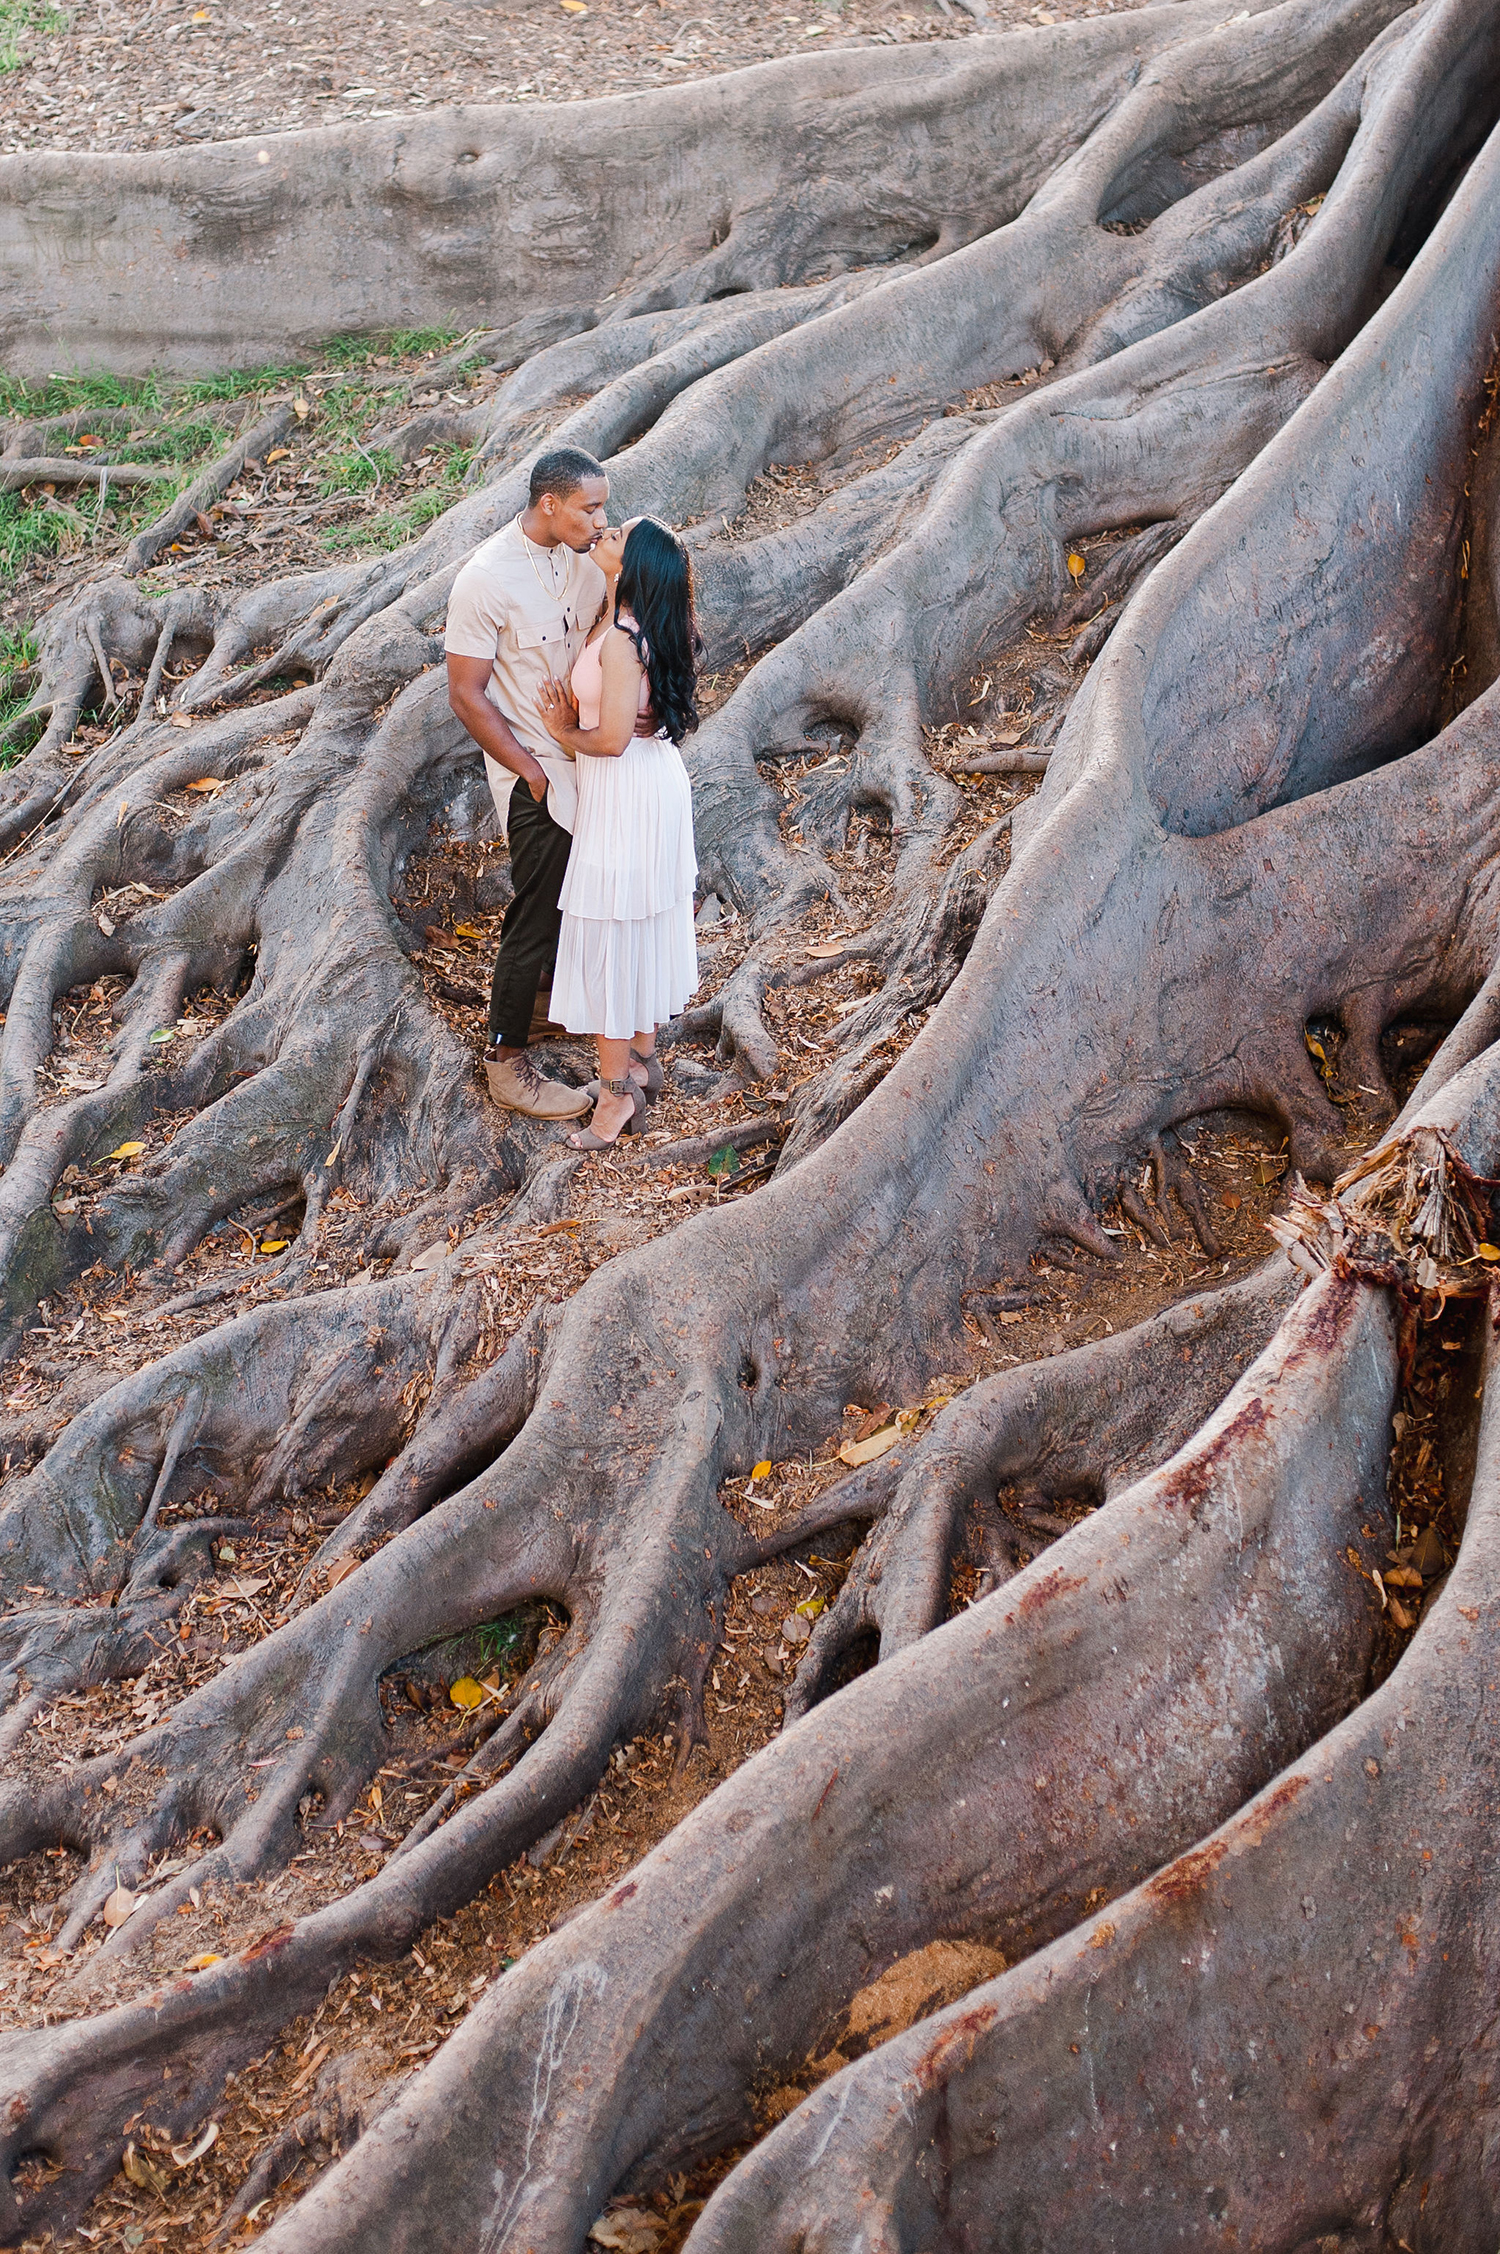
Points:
x=586, y=1139
x=656, y=1079
x=654, y=1082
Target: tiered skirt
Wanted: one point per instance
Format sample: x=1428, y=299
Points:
x=627, y=957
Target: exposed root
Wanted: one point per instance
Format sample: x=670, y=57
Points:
x=1075, y=1428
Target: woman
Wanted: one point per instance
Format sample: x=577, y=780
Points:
x=627, y=957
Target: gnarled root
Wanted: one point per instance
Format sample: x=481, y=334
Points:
x=1019, y=1758
x=1147, y=2068
x=1077, y=1427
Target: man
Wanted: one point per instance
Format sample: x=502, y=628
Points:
x=520, y=612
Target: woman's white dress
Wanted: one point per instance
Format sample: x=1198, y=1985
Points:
x=627, y=956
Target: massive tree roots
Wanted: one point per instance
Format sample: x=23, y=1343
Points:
x=1208, y=312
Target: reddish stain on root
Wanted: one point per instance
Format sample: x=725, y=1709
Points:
x=266, y=1944
x=1192, y=1484
x=954, y=2047
x=1047, y=1591
x=1189, y=1874
x=1263, y=1816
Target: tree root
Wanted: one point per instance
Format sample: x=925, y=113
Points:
x=1078, y=1426
x=1354, y=2085
x=759, y=197
x=979, y=1833
x=1266, y=807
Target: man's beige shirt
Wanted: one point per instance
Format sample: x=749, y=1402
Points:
x=528, y=610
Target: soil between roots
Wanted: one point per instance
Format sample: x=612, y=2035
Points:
x=390, y=2020
x=381, y=2024
x=159, y=77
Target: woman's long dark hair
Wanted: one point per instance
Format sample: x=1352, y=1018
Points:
x=656, y=588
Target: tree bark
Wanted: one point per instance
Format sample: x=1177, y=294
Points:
x=1273, y=801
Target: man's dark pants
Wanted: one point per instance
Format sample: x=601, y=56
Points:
x=539, y=850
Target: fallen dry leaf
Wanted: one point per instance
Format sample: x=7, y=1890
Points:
x=630, y=2230
x=183, y=2155
x=340, y=1570
x=243, y=1585
x=203, y=1960
x=865, y=1451
x=124, y=1150
x=143, y=2171
x=119, y=1906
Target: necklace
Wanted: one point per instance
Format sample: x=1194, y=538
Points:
x=530, y=546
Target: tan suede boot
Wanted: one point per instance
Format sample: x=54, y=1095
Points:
x=516, y=1083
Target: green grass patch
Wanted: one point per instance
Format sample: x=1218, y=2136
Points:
x=185, y=424
x=18, y=654
x=22, y=24
x=393, y=527
x=357, y=470
x=402, y=344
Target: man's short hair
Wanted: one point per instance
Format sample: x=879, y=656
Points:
x=562, y=472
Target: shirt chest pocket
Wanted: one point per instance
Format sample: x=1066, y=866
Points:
x=546, y=641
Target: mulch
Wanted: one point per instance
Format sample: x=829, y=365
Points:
x=174, y=72
x=168, y=74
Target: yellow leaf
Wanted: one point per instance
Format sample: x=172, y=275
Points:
x=576, y=7
x=466, y=1693
x=865, y=1451
x=468, y=931
x=209, y=783
x=1489, y=1252
x=142, y=2170
x=762, y=1471
x=201, y=1962
x=279, y=454
x=125, y=1150
x=1316, y=1047
x=810, y=1607
x=1076, y=566
x=275, y=1244
x=938, y=1401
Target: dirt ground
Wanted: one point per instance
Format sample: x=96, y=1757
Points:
x=168, y=72
x=288, y=2112
x=107, y=76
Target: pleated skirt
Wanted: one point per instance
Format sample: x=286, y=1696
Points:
x=627, y=956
